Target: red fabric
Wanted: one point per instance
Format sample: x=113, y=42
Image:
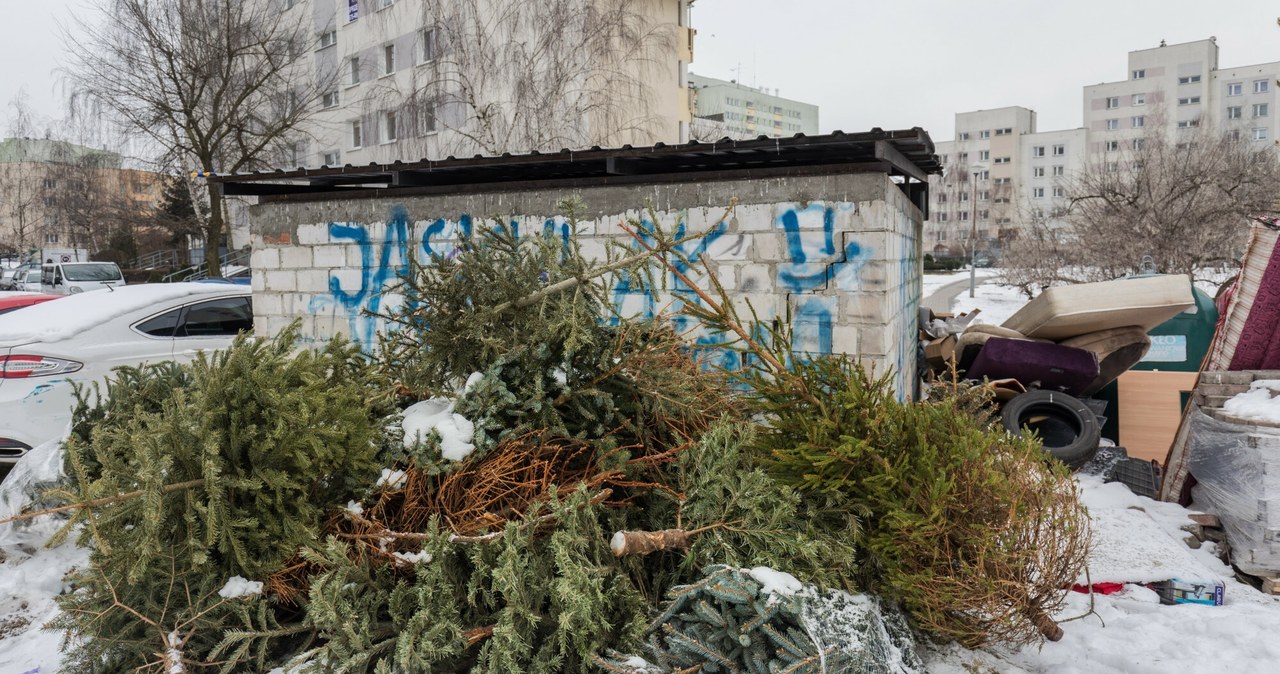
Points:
x=1259, y=345
x=1099, y=588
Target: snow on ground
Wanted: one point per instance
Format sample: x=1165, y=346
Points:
x=997, y=302
x=934, y=281
x=1257, y=403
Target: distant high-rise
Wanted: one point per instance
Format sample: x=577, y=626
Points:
x=724, y=108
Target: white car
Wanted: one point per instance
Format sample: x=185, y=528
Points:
x=80, y=338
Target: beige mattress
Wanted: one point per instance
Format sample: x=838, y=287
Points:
x=1070, y=311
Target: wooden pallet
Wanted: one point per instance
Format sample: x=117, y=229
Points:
x=1271, y=585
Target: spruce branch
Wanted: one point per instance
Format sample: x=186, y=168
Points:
x=106, y=500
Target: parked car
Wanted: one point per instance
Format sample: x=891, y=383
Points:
x=6, y=278
x=15, y=301
x=46, y=348
x=69, y=278
x=26, y=279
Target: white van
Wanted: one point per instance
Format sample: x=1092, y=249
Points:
x=69, y=278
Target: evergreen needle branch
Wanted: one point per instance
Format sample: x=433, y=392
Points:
x=106, y=500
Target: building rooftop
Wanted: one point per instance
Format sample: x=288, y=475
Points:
x=908, y=154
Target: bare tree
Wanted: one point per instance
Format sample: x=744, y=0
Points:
x=514, y=75
x=1181, y=197
x=21, y=193
x=215, y=84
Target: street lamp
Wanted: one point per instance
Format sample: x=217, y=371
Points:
x=977, y=170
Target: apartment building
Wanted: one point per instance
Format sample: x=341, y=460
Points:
x=726, y=108
x=407, y=79
x=1174, y=88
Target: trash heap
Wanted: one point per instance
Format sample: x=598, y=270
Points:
x=521, y=481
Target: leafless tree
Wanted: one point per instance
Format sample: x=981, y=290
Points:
x=512, y=75
x=21, y=196
x=218, y=85
x=1182, y=197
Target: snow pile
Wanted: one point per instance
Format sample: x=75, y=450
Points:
x=239, y=587
x=412, y=558
x=775, y=582
x=997, y=303
x=391, y=479
x=456, y=431
x=1256, y=404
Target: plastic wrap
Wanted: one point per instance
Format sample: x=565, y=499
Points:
x=35, y=473
x=1237, y=471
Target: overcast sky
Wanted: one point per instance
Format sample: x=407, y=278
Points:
x=866, y=63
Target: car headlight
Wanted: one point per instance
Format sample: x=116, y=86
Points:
x=76, y=289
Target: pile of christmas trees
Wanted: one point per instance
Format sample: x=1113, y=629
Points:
x=521, y=481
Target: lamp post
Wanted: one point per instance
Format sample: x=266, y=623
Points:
x=977, y=170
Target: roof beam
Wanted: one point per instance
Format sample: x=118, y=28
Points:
x=889, y=154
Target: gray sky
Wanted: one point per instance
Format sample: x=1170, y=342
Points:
x=887, y=63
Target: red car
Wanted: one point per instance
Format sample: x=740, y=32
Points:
x=10, y=302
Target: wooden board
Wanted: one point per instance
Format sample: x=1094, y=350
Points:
x=1149, y=410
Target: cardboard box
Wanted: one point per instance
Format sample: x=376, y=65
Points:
x=940, y=351
x=1178, y=591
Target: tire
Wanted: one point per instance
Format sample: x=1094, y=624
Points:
x=1066, y=426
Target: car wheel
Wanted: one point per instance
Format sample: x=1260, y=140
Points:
x=1066, y=426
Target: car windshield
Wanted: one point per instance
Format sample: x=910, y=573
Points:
x=104, y=271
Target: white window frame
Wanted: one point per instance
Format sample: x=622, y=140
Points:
x=355, y=130
x=964, y=135
x=1037, y=172
x=1235, y=89
x=1059, y=192
x=1189, y=79
x=1189, y=100
x=327, y=39
x=428, y=45
x=1059, y=150
x=1112, y=146
x=330, y=99
x=353, y=71
x=1259, y=133
x=1059, y=171
x=331, y=158
x=984, y=155
x=1139, y=74
x=387, y=129
x=1113, y=102
x=1188, y=124
x=1261, y=110
x=1137, y=121
x=1235, y=112
x=427, y=118
x=1002, y=160
x=1037, y=151
x=984, y=134
x=1139, y=99
x=388, y=59
x=1261, y=86
x=1037, y=192
x=1113, y=124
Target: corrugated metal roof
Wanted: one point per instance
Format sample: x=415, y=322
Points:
x=908, y=153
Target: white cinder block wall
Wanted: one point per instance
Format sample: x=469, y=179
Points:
x=838, y=256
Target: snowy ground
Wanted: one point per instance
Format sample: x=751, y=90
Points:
x=934, y=280
x=996, y=301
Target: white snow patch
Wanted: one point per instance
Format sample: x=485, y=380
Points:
x=997, y=303
x=436, y=414
x=391, y=479
x=775, y=582
x=1255, y=404
x=472, y=381
x=618, y=543
x=412, y=558
x=175, y=655
x=355, y=508
x=239, y=587
x=74, y=314
x=560, y=376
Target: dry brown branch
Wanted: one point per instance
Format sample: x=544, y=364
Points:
x=106, y=500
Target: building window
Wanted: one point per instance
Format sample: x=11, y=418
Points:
x=1037, y=172
x=1188, y=123
x=1235, y=134
x=328, y=38
x=984, y=215
x=986, y=175
x=1059, y=192
x=964, y=196
x=357, y=134
x=1113, y=145
x=1138, y=143
x=942, y=198
x=1188, y=100
x=1058, y=171
x=1235, y=112
x=353, y=10
x=1002, y=160
x=1235, y=89
x=1113, y=124
x=49, y=183
x=1059, y=150
x=383, y=4
x=388, y=59
x=50, y=238
x=1141, y=73
x=1113, y=102
x=984, y=155
x=984, y=195
x=1261, y=86
x=353, y=70
x=942, y=217
x=1139, y=99
x=389, y=131
x=1007, y=131
x=427, y=45
x=1037, y=192
x=963, y=136
x=984, y=134
x=1259, y=109
x=1002, y=181
x=329, y=99
x=425, y=119
x=1138, y=122
x=331, y=158
x=963, y=157
x=1190, y=79
x=1260, y=133
x=963, y=216
x=1037, y=151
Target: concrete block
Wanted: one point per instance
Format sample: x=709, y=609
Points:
x=845, y=339
x=258, y=280
x=593, y=248
x=265, y=258
x=876, y=340
x=314, y=234
x=727, y=273
x=281, y=281
x=728, y=247
x=329, y=257
x=295, y=257
x=355, y=256
x=313, y=280
x=755, y=278
x=863, y=307
x=768, y=247
x=753, y=218
x=268, y=304
x=349, y=281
